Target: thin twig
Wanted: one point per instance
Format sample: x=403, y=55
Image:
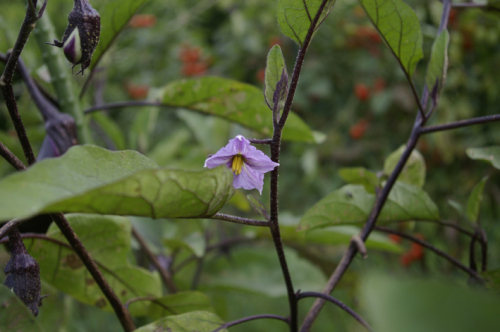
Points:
x=121, y=312
x=267, y=141
x=469, y=5
x=337, y=303
x=243, y=320
x=460, y=124
x=152, y=299
x=9, y=226
x=122, y=104
x=438, y=252
x=165, y=275
x=11, y=158
x=445, y=224
x=240, y=220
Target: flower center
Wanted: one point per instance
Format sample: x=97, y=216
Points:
x=237, y=164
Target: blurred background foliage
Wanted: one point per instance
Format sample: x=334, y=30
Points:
x=351, y=93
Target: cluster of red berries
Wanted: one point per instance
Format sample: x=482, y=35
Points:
x=193, y=64
x=416, y=252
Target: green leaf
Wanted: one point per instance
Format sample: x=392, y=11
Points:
x=176, y=304
x=475, y=199
x=352, y=204
x=398, y=24
x=255, y=270
x=194, y=242
x=107, y=239
x=490, y=154
x=111, y=129
x=258, y=207
x=493, y=279
x=394, y=305
x=234, y=101
x=94, y=180
x=195, y=321
x=438, y=63
x=414, y=170
x=115, y=15
x=276, y=79
x=295, y=17
x=360, y=175
x=14, y=315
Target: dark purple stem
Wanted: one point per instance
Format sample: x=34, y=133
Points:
x=11, y=158
x=247, y=319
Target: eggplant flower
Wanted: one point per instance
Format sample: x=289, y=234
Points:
x=247, y=163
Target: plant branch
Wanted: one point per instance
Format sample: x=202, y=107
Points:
x=260, y=141
x=9, y=226
x=239, y=220
x=11, y=158
x=121, y=312
x=247, y=319
x=437, y=251
x=447, y=224
x=165, y=275
x=460, y=124
x=337, y=303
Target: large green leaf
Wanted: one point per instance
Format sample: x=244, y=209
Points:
x=438, y=63
x=427, y=306
x=490, y=154
x=255, y=270
x=360, y=175
x=414, y=170
x=107, y=239
x=94, y=180
x=295, y=17
x=176, y=304
x=475, y=199
x=398, y=24
x=196, y=321
x=115, y=15
x=14, y=315
x=352, y=204
x=234, y=101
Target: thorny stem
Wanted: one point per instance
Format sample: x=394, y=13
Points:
x=275, y=156
x=247, y=319
x=337, y=303
x=165, y=275
x=438, y=252
x=379, y=202
x=11, y=158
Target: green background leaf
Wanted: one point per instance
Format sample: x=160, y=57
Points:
x=490, y=154
x=94, y=180
x=275, y=66
x=352, y=204
x=107, y=239
x=360, y=175
x=414, y=170
x=234, y=101
x=438, y=63
x=14, y=315
x=196, y=321
x=475, y=199
x=295, y=16
x=427, y=306
x=398, y=24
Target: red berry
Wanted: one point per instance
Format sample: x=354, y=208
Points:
x=142, y=21
x=137, y=91
x=261, y=75
x=362, y=92
x=395, y=238
x=357, y=130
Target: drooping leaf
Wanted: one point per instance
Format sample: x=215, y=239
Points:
x=295, y=17
x=475, y=199
x=414, y=170
x=490, y=154
x=460, y=308
x=176, y=304
x=258, y=206
x=195, y=321
x=94, y=180
x=14, y=315
x=234, y=101
x=457, y=206
x=276, y=80
x=398, y=24
x=360, y=175
x=352, y=204
x=115, y=15
x=438, y=63
x=255, y=270
x=107, y=239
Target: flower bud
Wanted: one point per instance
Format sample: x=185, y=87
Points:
x=82, y=34
x=23, y=274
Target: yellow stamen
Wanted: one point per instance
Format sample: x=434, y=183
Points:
x=237, y=164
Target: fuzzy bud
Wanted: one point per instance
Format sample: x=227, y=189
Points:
x=23, y=274
x=82, y=34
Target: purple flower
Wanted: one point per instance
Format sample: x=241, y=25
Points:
x=247, y=163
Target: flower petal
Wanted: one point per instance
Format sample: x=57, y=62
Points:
x=249, y=179
x=224, y=155
x=260, y=162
